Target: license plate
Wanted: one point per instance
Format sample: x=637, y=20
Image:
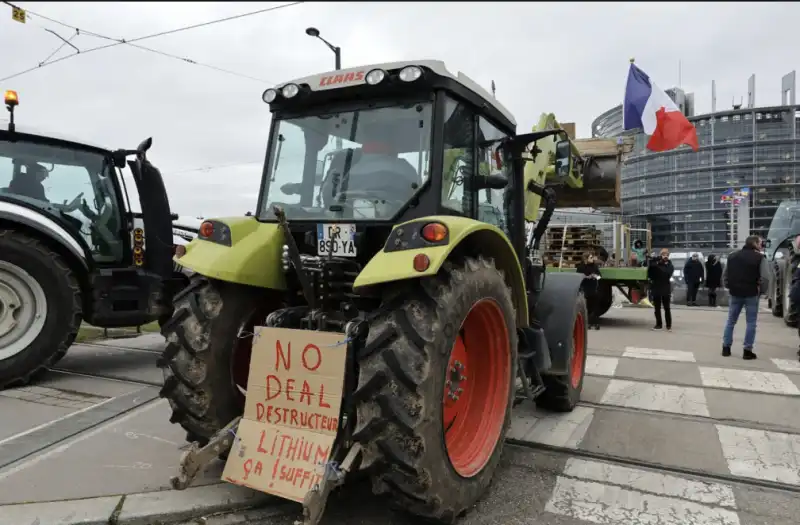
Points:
x=336, y=238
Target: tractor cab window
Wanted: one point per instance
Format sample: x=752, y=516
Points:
x=364, y=164
x=74, y=184
x=459, y=157
x=785, y=223
x=492, y=203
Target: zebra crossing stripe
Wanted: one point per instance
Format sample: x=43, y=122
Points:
x=603, y=493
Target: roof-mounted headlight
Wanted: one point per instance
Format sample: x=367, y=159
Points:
x=375, y=76
x=410, y=73
x=290, y=90
x=269, y=96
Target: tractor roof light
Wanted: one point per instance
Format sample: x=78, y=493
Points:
x=11, y=99
x=410, y=73
x=290, y=90
x=375, y=76
x=269, y=96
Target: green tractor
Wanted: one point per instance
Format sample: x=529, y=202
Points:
x=397, y=206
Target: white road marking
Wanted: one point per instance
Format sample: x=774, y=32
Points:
x=787, y=365
x=662, y=398
x=597, y=365
x=658, y=354
x=557, y=430
x=613, y=504
x=752, y=380
x=652, y=482
x=80, y=437
x=761, y=454
x=54, y=421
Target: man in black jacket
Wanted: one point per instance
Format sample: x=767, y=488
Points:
x=693, y=277
x=713, y=278
x=659, y=273
x=745, y=276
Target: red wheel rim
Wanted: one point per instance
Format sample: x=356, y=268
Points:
x=477, y=382
x=578, y=351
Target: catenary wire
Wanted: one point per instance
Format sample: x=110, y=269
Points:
x=132, y=42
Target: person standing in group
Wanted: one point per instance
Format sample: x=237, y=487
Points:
x=713, y=278
x=693, y=277
x=794, y=291
x=590, y=284
x=659, y=273
x=746, y=276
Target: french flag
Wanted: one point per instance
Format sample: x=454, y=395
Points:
x=648, y=107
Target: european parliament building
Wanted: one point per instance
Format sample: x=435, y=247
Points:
x=678, y=191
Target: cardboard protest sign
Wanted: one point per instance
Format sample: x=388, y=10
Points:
x=291, y=416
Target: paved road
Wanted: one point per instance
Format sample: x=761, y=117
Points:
x=668, y=433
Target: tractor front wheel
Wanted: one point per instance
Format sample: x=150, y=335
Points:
x=207, y=358
x=563, y=391
x=436, y=388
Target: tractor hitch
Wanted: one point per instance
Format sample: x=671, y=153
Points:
x=316, y=499
x=195, y=459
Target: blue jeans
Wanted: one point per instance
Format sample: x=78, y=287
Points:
x=750, y=305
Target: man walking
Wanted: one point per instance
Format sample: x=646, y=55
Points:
x=693, y=277
x=745, y=276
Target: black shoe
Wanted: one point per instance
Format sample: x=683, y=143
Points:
x=726, y=351
x=597, y=327
x=748, y=354
x=657, y=327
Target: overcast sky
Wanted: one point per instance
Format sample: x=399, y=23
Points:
x=567, y=58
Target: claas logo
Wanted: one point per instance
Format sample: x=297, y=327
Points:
x=332, y=80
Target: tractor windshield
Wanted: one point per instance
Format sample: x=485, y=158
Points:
x=75, y=184
x=364, y=164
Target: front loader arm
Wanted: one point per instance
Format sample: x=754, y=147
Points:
x=594, y=175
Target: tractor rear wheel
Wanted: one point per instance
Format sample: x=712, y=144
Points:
x=436, y=388
x=40, y=308
x=207, y=358
x=562, y=392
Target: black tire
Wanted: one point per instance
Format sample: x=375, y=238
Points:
x=789, y=310
x=64, y=307
x=560, y=395
x=605, y=298
x=401, y=387
x=197, y=361
x=777, y=288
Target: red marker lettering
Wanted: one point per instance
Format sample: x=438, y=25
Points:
x=305, y=357
x=280, y=356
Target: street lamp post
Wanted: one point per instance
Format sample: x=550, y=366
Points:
x=337, y=51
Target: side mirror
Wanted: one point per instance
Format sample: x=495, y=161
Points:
x=292, y=188
x=768, y=243
x=563, y=158
x=493, y=181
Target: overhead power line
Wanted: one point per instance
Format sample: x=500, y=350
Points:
x=218, y=166
x=132, y=42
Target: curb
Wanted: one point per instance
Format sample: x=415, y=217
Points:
x=145, y=508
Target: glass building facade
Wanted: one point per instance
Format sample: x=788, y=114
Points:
x=678, y=191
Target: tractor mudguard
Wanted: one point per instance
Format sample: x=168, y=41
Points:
x=554, y=311
x=248, y=253
x=475, y=236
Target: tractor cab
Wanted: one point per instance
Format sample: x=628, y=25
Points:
x=72, y=196
x=371, y=147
